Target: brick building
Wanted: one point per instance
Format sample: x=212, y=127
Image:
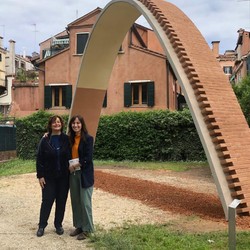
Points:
x=242, y=61
x=141, y=78
x=11, y=64
x=235, y=63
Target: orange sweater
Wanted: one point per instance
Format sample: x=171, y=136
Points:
x=75, y=147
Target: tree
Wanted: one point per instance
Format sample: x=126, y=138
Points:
x=242, y=92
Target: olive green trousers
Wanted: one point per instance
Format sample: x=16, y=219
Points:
x=81, y=201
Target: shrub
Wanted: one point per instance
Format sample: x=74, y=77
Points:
x=30, y=130
x=136, y=136
x=148, y=136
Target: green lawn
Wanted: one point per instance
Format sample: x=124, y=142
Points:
x=145, y=237
x=19, y=166
x=161, y=237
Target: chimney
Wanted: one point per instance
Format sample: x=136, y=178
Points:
x=216, y=48
x=12, y=56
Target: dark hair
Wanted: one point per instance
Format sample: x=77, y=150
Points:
x=52, y=120
x=71, y=132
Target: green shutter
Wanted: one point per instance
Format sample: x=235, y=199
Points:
x=43, y=53
x=127, y=94
x=47, y=97
x=82, y=39
x=7, y=138
x=68, y=96
x=151, y=94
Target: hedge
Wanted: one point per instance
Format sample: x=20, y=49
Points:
x=29, y=132
x=148, y=136
x=136, y=136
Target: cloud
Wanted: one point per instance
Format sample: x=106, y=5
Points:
x=30, y=22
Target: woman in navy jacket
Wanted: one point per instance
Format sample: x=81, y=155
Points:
x=81, y=177
x=52, y=165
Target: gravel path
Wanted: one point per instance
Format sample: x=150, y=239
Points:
x=130, y=196
x=20, y=198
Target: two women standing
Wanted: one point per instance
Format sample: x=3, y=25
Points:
x=80, y=174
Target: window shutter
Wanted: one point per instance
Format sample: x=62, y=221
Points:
x=82, y=39
x=104, y=105
x=43, y=53
x=127, y=94
x=68, y=96
x=151, y=94
x=47, y=97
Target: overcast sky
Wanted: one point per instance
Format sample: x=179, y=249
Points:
x=30, y=22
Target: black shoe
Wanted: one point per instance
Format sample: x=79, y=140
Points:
x=59, y=230
x=81, y=236
x=76, y=232
x=40, y=232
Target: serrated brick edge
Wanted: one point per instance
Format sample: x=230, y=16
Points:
x=234, y=183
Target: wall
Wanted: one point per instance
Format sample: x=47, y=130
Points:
x=7, y=155
x=136, y=63
x=25, y=98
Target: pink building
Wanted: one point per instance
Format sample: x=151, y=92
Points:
x=242, y=62
x=226, y=60
x=141, y=78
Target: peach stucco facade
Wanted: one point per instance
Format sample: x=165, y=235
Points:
x=140, y=60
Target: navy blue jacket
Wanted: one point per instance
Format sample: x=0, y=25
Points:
x=85, y=151
x=47, y=156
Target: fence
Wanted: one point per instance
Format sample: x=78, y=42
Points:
x=7, y=139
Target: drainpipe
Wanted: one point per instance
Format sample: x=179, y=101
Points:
x=167, y=92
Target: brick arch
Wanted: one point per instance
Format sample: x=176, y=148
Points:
x=220, y=123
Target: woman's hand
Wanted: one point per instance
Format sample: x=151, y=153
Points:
x=46, y=135
x=73, y=167
x=42, y=182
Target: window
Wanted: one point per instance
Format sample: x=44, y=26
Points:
x=46, y=53
x=58, y=96
x=181, y=102
x=228, y=70
x=23, y=65
x=81, y=41
x=0, y=57
x=139, y=93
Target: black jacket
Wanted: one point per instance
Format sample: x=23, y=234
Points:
x=46, y=160
x=85, y=151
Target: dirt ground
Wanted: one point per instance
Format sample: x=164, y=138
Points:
x=186, y=201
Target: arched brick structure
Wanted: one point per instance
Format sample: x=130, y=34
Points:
x=221, y=125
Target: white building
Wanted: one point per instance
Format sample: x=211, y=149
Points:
x=10, y=63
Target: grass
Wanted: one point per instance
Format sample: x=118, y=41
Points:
x=174, y=166
x=19, y=166
x=145, y=237
x=160, y=237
